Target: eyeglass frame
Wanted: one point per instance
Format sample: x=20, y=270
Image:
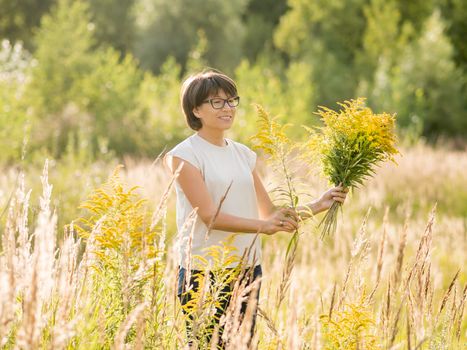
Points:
x=237, y=98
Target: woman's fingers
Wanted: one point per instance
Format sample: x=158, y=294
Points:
x=339, y=196
x=286, y=220
x=288, y=227
x=290, y=213
x=291, y=222
x=287, y=224
x=340, y=187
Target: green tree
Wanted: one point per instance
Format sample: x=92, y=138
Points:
x=64, y=53
x=170, y=28
x=261, y=18
x=15, y=65
x=79, y=88
x=417, y=11
x=384, y=40
x=64, y=44
x=283, y=92
x=381, y=36
x=455, y=11
x=390, y=26
x=18, y=19
x=115, y=23
x=109, y=96
x=424, y=86
x=327, y=34
x=159, y=102
x=258, y=83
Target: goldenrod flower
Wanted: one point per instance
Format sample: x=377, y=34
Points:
x=349, y=146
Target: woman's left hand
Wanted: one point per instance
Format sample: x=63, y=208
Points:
x=335, y=194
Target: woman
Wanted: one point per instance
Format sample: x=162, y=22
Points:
x=219, y=177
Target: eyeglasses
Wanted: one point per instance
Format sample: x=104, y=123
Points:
x=219, y=103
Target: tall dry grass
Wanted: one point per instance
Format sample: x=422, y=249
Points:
x=392, y=278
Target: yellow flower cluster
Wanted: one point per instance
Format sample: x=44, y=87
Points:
x=351, y=328
x=352, y=141
x=117, y=225
x=271, y=137
x=356, y=122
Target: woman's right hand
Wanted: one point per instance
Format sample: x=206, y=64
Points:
x=283, y=219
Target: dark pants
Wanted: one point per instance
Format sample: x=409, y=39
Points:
x=250, y=275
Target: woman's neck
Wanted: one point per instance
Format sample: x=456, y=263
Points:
x=215, y=137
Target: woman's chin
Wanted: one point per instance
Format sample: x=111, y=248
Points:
x=226, y=125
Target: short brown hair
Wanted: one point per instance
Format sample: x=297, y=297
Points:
x=196, y=88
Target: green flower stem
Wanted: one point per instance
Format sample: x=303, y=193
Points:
x=293, y=203
x=329, y=221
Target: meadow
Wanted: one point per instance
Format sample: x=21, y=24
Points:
x=89, y=249
x=104, y=275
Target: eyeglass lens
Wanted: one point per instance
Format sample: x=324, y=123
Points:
x=219, y=103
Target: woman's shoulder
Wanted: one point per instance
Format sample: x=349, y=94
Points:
x=240, y=146
x=245, y=152
x=184, y=145
x=184, y=150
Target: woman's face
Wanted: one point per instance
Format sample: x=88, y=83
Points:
x=217, y=118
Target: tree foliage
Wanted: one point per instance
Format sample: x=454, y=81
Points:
x=15, y=63
x=109, y=73
x=422, y=83
x=114, y=22
x=170, y=28
x=19, y=19
x=399, y=54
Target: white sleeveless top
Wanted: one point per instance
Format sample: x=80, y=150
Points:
x=219, y=167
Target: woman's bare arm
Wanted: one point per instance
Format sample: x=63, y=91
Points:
x=335, y=194
x=265, y=205
x=194, y=188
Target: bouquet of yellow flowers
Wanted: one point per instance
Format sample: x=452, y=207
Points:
x=349, y=146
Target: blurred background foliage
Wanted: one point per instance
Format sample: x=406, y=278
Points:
x=91, y=84
x=106, y=74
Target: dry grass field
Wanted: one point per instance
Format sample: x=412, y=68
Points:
x=393, y=276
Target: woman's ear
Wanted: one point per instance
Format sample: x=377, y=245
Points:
x=196, y=112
